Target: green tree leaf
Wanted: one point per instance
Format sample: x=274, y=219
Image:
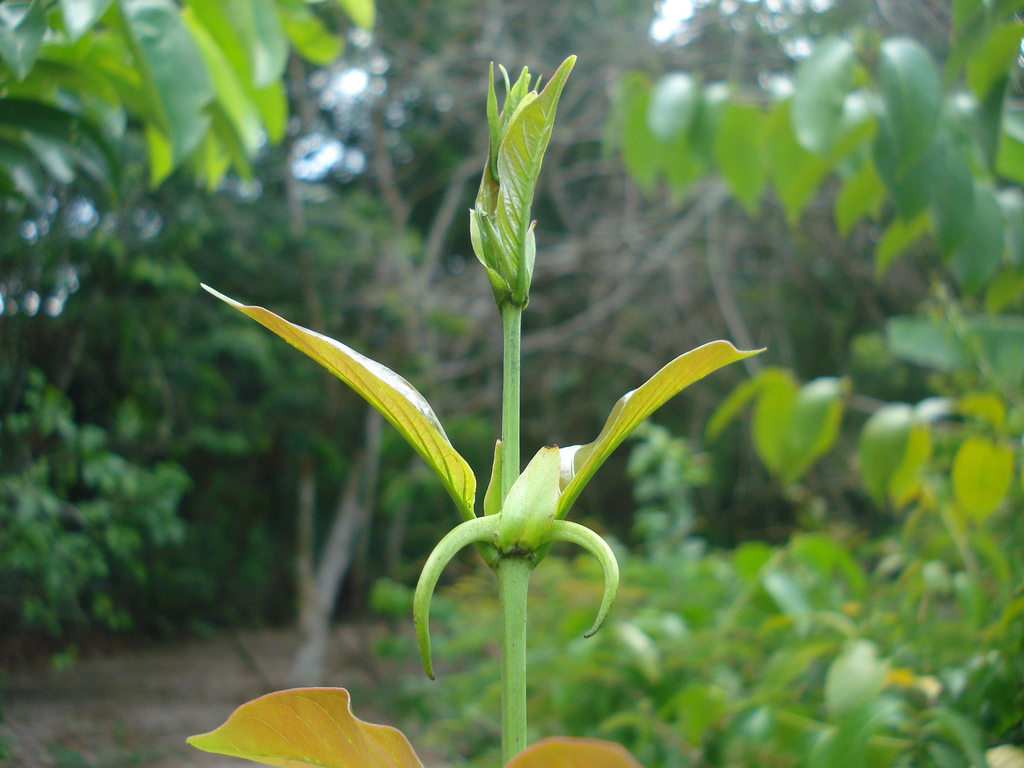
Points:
x=982, y=473
x=672, y=106
x=80, y=15
x=22, y=26
x=989, y=64
x=894, y=445
x=814, y=425
x=822, y=81
x=580, y=462
x=173, y=68
x=640, y=150
x=796, y=173
x=739, y=152
x=862, y=194
x=912, y=95
x=362, y=12
x=395, y=398
x=854, y=678
x=565, y=752
x=308, y=727
x=980, y=252
x=308, y=35
x=897, y=237
x=259, y=27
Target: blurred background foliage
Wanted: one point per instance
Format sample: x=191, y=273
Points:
x=821, y=553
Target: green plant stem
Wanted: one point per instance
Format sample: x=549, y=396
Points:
x=511, y=319
x=513, y=586
x=513, y=572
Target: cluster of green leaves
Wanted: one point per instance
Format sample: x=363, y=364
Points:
x=80, y=521
x=202, y=78
x=935, y=143
x=827, y=650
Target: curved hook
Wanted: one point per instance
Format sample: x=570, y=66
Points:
x=566, y=530
x=468, y=532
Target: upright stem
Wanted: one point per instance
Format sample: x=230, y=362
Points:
x=513, y=572
x=511, y=319
x=513, y=585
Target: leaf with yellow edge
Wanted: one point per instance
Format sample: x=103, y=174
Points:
x=396, y=399
x=308, y=727
x=564, y=752
x=580, y=462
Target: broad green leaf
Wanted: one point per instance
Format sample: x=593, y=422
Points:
x=1004, y=291
x=894, y=446
x=814, y=425
x=640, y=150
x=308, y=35
x=912, y=94
x=362, y=12
x=520, y=155
x=989, y=64
x=173, y=68
x=897, y=237
x=796, y=173
x=976, y=260
x=579, y=463
x=395, y=398
x=34, y=128
x=982, y=473
x=739, y=152
x=697, y=708
x=952, y=202
x=231, y=93
x=672, y=106
x=827, y=555
x=822, y=81
x=789, y=596
x=773, y=418
x=22, y=26
x=909, y=184
x=308, y=727
x=80, y=15
x=160, y=153
x=259, y=27
x=923, y=341
x=861, y=195
x=988, y=123
x=854, y=678
x=1010, y=157
x=565, y=752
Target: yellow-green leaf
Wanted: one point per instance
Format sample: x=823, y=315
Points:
x=308, y=727
x=564, y=752
x=579, y=463
x=362, y=12
x=396, y=399
x=982, y=473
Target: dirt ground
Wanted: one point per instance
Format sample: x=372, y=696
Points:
x=133, y=708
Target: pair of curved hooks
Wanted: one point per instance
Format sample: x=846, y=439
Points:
x=486, y=529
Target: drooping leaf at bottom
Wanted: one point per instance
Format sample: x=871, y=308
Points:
x=308, y=727
x=564, y=752
x=396, y=399
x=579, y=463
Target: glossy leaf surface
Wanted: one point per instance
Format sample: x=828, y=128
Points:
x=308, y=727
x=912, y=93
x=982, y=473
x=579, y=463
x=822, y=82
x=396, y=399
x=564, y=752
x=174, y=71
